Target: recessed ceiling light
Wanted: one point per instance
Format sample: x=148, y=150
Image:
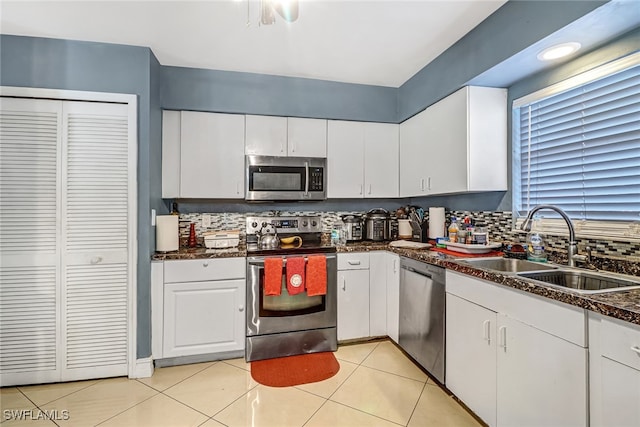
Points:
x=558, y=51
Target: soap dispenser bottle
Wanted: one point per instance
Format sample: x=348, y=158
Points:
x=535, y=243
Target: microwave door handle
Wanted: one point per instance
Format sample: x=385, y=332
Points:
x=306, y=181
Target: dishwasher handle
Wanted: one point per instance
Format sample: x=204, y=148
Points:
x=413, y=270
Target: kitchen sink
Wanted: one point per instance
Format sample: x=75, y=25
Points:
x=582, y=281
x=509, y=265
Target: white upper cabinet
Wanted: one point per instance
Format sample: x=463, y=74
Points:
x=458, y=144
x=362, y=159
x=266, y=136
x=381, y=163
x=282, y=136
x=345, y=160
x=307, y=137
x=203, y=155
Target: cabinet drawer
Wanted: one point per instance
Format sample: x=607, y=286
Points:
x=621, y=342
x=199, y=270
x=353, y=261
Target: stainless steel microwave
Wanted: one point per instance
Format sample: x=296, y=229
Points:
x=285, y=178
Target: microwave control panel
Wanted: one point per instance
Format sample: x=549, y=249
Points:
x=316, y=179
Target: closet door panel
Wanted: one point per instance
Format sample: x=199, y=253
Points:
x=96, y=234
x=30, y=138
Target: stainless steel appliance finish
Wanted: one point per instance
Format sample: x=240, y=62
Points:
x=285, y=178
x=287, y=325
x=354, y=226
x=422, y=314
x=377, y=224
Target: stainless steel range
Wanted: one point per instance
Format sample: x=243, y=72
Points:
x=282, y=320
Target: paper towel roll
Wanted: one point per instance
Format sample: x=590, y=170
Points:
x=167, y=238
x=436, y=223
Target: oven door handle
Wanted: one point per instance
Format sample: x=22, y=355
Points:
x=306, y=181
x=260, y=262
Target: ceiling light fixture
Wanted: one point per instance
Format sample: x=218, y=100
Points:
x=558, y=51
x=287, y=9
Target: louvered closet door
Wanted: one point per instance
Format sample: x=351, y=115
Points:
x=95, y=234
x=30, y=137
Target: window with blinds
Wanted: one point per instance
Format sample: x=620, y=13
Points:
x=577, y=146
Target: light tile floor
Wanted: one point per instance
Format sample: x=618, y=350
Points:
x=377, y=385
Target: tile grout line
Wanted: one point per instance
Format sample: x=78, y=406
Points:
x=132, y=406
x=182, y=380
x=424, y=387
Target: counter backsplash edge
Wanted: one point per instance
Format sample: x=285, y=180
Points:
x=499, y=225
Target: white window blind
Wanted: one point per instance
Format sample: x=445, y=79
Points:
x=580, y=149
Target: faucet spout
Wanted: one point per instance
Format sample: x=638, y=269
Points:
x=572, y=249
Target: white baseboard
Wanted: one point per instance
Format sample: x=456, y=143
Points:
x=143, y=368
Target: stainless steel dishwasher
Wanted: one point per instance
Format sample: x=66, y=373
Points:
x=422, y=322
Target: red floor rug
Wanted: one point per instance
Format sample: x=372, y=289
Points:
x=295, y=370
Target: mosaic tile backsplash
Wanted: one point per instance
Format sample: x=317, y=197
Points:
x=499, y=224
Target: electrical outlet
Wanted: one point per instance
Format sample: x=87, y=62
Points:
x=153, y=217
x=206, y=220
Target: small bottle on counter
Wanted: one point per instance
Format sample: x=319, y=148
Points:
x=453, y=230
x=535, y=244
x=192, y=235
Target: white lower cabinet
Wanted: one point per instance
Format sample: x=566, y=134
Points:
x=377, y=294
x=393, y=296
x=515, y=359
x=203, y=308
x=471, y=355
x=614, y=354
x=353, y=296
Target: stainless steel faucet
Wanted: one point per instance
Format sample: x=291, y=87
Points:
x=572, y=249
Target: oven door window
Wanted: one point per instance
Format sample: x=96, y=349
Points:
x=285, y=305
x=276, y=178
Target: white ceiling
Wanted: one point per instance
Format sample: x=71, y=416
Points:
x=377, y=42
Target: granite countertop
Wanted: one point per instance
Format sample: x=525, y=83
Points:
x=624, y=305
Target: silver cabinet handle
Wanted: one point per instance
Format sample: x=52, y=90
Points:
x=487, y=331
x=241, y=308
x=205, y=264
x=237, y=187
x=429, y=184
x=351, y=262
x=369, y=188
x=502, y=342
x=636, y=349
x=344, y=284
x=395, y=266
x=360, y=188
x=422, y=184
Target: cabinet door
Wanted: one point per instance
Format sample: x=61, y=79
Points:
x=345, y=159
x=471, y=356
x=353, y=304
x=377, y=294
x=306, y=137
x=203, y=317
x=171, y=154
x=266, y=136
x=381, y=160
x=542, y=379
x=393, y=296
x=413, y=158
x=211, y=155
x=446, y=144
x=620, y=394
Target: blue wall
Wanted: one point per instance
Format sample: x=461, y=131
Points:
x=510, y=29
x=247, y=93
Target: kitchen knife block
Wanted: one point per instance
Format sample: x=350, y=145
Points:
x=419, y=232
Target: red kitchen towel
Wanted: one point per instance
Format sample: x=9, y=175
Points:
x=295, y=275
x=272, y=276
x=316, y=275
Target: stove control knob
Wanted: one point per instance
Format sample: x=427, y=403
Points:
x=254, y=224
x=304, y=223
x=264, y=224
x=314, y=223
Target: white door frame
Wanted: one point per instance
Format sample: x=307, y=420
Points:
x=144, y=367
